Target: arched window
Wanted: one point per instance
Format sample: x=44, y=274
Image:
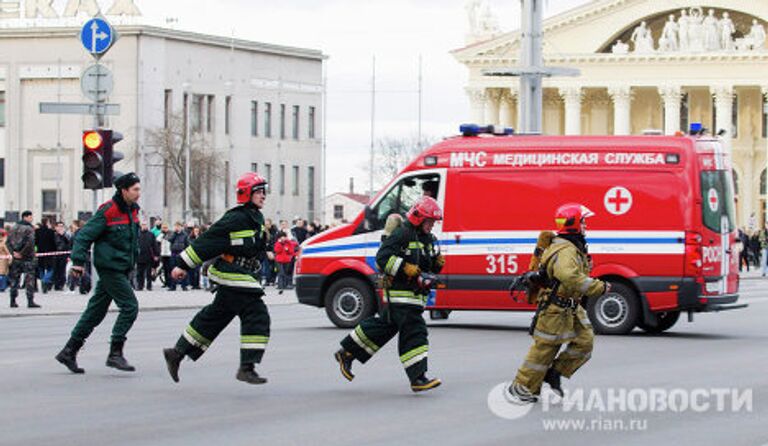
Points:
x=762, y=182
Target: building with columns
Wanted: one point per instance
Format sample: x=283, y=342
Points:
x=645, y=65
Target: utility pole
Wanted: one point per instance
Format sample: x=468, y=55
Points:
x=532, y=69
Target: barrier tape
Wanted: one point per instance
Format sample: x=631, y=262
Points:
x=42, y=254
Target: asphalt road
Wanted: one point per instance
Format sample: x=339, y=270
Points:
x=307, y=402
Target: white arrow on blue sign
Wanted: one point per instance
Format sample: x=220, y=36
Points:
x=97, y=36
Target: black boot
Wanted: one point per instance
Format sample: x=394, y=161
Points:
x=423, y=383
x=518, y=394
x=553, y=379
x=68, y=355
x=247, y=374
x=116, y=359
x=13, y=302
x=345, y=358
x=173, y=360
x=31, y=302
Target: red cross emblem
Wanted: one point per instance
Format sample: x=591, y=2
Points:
x=713, y=200
x=618, y=200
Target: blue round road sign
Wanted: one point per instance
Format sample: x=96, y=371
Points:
x=97, y=36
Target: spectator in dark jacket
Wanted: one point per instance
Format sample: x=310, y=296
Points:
x=179, y=242
x=45, y=241
x=194, y=274
x=63, y=243
x=299, y=231
x=149, y=254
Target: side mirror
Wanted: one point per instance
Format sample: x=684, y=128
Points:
x=370, y=217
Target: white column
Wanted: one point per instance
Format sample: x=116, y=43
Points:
x=723, y=112
x=476, y=104
x=493, y=97
x=765, y=166
x=506, y=105
x=622, y=98
x=572, y=97
x=671, y=95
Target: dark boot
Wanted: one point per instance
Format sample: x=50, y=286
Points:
x=68, y=355
x=31, y=302
x=519, y=395
x=423, y=383
x=247, y=374
x=553, y=379
x=345, y=358
x=13, y=302
x=116, y=359
x=173, y=360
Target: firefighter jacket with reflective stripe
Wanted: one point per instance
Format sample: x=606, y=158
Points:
x=407, y=244
x=238, y=239
x=570, y=266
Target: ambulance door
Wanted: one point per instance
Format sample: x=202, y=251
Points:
x=719, y=261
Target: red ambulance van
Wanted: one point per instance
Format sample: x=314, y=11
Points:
x=663, y=235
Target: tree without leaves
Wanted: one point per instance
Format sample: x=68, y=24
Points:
x=392, y=154
x=205, y=166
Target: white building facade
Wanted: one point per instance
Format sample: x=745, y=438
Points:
x=645, y=64
x=254, y=106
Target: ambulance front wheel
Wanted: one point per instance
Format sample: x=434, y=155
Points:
x=348, y=301
x=616, y=312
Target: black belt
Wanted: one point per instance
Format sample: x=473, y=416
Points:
x=564, y=302
x=250, y=264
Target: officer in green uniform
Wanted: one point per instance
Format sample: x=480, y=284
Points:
x=565, y=268
x=403, y=257
x=114, y=233
x=238, y=242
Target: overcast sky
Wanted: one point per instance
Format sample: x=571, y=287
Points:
x=351, y=32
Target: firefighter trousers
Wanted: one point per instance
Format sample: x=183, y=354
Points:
x=214, y=318
x=373, y=333
x=555, y=327
x=112, y=286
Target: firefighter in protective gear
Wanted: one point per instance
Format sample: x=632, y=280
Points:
x=238, y=243
x=407, y=253
x=561, y=317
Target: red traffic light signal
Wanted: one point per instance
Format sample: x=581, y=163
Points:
x=99, y=158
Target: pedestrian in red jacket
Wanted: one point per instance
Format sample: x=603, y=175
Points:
x=284, y=253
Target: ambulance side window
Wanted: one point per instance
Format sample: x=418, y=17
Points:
x=400, y=198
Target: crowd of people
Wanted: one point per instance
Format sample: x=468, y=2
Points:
x=160, y=246
x=753, y=249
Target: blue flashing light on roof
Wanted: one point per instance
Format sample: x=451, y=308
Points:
x=696, y=128
x=474, y=130
x=469, y=129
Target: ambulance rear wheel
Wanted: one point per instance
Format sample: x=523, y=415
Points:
x=616, y=312
x=348, y=301
x=666, y=320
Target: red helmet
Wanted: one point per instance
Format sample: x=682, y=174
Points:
x=425, y=208
x=248, y=183
x=569, y=218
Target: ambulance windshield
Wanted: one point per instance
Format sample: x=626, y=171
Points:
x=402, y=196
x=717, y=200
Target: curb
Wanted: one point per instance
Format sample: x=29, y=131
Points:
x=115, y=310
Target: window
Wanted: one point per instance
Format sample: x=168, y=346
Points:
x=268, y=120
x=168, y=104
x=400, y=198
x=268, y=173
x=295, y=122
x=338, y=212
x=2, y=172
x=735, y=183
x=282, y=179
x=50, y=200
x=762, y=183
x=227, y=114
x=295, y=188
x=684, y=112
x=254, y=167
x=227, y=181
x=210, y=113
x=717, y=199
x=311, y=123
x=254, y=118
x=282, y=121
x=186, y=113
x=311, y=191
x=197, y=113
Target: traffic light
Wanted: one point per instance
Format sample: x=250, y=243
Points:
x=99, y=158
